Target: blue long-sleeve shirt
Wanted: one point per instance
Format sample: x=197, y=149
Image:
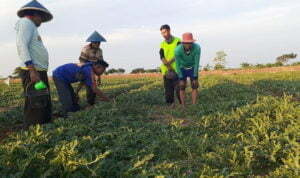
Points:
x=30, y=47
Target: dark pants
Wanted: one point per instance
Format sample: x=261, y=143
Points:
x=37, y=109
x=90, y=95
x=66, y=96
x=171, y=88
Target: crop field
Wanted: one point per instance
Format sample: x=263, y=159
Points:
x=244, y=125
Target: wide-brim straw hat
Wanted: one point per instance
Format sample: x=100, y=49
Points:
x=188, y=38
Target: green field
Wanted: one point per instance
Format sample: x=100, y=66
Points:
x=245, y=125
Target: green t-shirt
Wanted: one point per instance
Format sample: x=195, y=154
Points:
x=184, y=60
x=169, y=53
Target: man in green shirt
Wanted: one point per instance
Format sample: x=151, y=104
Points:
x=187, y=57
x=168, y=67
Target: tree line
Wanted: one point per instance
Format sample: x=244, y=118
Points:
x=220, y=62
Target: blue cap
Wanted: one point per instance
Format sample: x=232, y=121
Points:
x=96, y=37
x=36, y=6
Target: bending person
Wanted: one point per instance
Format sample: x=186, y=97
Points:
x=67, y=74
x=187, y=64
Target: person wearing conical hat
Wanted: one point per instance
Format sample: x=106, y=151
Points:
x=92, y=53
x=187, y=56
x=34, y=61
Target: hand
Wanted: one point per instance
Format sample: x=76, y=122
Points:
x=99, y=81
x=165, y=62
x=34, y=76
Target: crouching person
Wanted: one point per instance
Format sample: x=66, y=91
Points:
x=187, y=63
x=67, y=74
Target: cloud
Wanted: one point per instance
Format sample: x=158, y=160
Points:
x=248, y=30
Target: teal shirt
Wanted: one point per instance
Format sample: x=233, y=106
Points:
x=187, y=61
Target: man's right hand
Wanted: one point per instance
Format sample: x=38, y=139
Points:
x=34, y=76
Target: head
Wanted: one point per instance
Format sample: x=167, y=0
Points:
x=187, y=40
x=165, y=31
x=35, y=16
x=99, y=67
x=95, y=45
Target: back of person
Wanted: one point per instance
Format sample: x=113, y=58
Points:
x=69, y=73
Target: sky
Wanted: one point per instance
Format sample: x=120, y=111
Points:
x=253, y=31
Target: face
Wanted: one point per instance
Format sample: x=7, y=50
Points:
x=187, y=45
x=95, y=45
x=37, y=19
x=99, y=70
x=166, y=33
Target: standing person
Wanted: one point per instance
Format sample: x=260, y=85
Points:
x=187, y=63
x=92, y=53
x=67, y=74
x=168, y=67
x=34, y=62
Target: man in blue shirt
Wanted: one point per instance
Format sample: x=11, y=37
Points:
x=67, y=74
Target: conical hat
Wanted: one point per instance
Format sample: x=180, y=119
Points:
x=96, y=37
x=36, y=6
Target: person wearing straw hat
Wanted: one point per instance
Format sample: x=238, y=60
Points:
x=187, y=56
x=34, y=61
x=91, y=53
x=168, y=67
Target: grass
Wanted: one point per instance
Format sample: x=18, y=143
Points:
x=245, y=125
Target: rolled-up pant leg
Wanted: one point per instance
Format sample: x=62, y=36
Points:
x=169, y=90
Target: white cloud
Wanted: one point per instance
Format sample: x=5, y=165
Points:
x=252, y=30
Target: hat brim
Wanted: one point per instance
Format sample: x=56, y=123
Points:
x=46, y=15
x=188, y=41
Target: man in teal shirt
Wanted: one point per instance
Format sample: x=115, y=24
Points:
x=187, y=56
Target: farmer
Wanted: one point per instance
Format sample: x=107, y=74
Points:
x=34, y=62
x=92, y=53
x=187, y=65
x=67, y=74
x=168, y=67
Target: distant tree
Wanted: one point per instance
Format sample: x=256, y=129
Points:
x=220, y=60
x=121, y=71
x=111, y=71
x=207, y=67
x=259, y=66
x=278, y=64
x=138, y=70
x=245, y=65
x=219, y=67
x=152, y=70
x=296, y=64
x=286, y=57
